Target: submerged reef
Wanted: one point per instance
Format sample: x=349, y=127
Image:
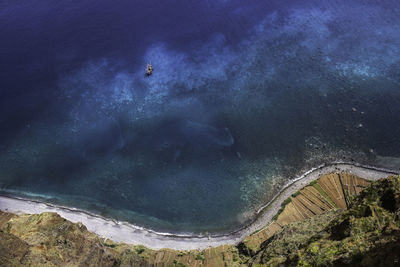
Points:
x=337, y=220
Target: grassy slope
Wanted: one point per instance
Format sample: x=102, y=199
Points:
x=368, y=233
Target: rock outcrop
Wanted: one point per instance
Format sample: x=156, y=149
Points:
x=366, y=234
x=330, y=191
x=331, y=222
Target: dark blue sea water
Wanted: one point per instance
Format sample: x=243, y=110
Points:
x=244, y=95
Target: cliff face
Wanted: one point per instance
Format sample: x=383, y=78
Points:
x=367, y=233
x=331, y=191
x=49, y=240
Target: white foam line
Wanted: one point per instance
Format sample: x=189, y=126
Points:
x=320, y=167
x=121, y=231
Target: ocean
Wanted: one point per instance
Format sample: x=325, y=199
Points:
x=244, y=96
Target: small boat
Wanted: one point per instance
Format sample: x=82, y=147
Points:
x=149, y=69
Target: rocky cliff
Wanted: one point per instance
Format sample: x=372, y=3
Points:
x=331, y=222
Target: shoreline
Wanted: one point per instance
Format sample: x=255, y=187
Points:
x=124, y=232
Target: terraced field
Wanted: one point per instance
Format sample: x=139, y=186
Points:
x=225, y=255
x=329, y=191
x=49, y=240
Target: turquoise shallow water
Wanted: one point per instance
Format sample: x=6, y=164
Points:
x=242, y=98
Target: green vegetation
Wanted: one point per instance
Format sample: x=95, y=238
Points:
x=297, y=193
x=367, y=234
x=108, y=245
x=140, y=249
x=178, y=264
x=283, y=245
x=181, y=253
x=323, y=193
x=262, y=228
x=200, y=256
x=314, y=182
x=284, y=203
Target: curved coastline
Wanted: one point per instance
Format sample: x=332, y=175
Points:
x=120, y=231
